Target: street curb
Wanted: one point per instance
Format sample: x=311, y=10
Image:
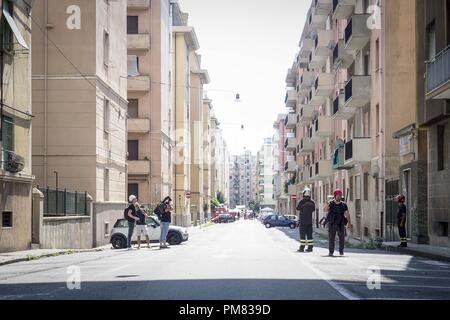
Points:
x=48, y=255
x=417, y=253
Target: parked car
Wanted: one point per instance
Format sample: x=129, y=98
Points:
x=225, y=218
x=279, y=221
x=292, y=217
x=119, y=233
x=263, y=216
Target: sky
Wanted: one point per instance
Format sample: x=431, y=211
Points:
x=247, y=46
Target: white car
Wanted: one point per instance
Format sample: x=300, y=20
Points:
x=119, y=233
x=291, y=216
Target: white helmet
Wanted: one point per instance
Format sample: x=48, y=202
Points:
x=307, y=192
x=131, y=198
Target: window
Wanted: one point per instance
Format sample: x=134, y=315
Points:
x=106, y=115
x=377, y=119
x=377, y=55
x=7, y=135
x=351, y=189
x=7, y=221
x=358, y=187
x=443, y=229
x=377, y=189
x=133, y=65
x=106, y=48
x=133, y=108
x=5, y=28
x=431, y=41
x=106, y=184
x=440, y=148
x=367, y=64
x=366, y=186
x=132, y=25
x=366, y=124
x=133, y=189
x=106, y=229
x=133, y=149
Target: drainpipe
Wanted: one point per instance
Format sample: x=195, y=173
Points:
x=45, y=90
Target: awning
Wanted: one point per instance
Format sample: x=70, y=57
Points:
x=14, y=29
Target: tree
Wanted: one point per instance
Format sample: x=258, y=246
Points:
x=221, y=197
x=214, y=203
x=254, y=206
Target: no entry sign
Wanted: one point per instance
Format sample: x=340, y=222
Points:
x=188, y=194
x=294, y=197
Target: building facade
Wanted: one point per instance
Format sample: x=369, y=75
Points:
x=150, y=127
x=279, y=155
x=79, y=96
x=265, y=175
x=242, y=180
x=16, y=177
x=343, y=103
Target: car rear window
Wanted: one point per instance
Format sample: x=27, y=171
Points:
x=121, y=223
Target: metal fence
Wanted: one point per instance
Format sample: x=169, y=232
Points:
x=64, y=203
x=438, y=70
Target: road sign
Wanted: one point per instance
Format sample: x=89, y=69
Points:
x=188, y=194
x=294, y=197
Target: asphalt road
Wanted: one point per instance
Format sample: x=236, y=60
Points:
x=242, y=260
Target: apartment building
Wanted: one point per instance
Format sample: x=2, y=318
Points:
x=79, y=96
x=207, y=108
x=344, y=89
x=279, y=160
x=242, y=179
x=431, y=136
x=265, y=174
x=199, y=77
x=149, y=124
x=220, y=160
x=16, y=177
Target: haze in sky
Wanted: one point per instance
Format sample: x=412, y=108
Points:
x=247, y=47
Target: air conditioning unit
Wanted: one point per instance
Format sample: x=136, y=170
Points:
x=14, y=162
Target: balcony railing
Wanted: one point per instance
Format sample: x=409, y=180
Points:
x=438, y=75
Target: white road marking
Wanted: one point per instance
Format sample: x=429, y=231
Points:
x=389, y=275
x=394, y=285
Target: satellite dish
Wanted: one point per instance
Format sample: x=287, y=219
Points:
x=375, y=171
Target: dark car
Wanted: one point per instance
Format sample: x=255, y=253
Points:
x=276, y=220
x=225, y=218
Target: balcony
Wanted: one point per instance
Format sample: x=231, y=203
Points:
x=343, y=9
x=323, y=7
x=357, y=91
x=306, y=146
x=305, y=116
x=291, y=121
x=341, y=58
x=339, y=157
x=305, y=177
x=139, y=167
x=138, y=125
x=321, y=170
x=138, y=42
x=324, y=84
x=290, y=144
x=139, y=84
x=290, y=165
x=291, y=98
x=316, y=21
x=314, y=100
x=322, y=49
x=438, y=76
x=138, y=4
x=306, y=46
x=323, y=128
x=340, y=111
x=358, y=151
x=306, y=81
x=357, y=35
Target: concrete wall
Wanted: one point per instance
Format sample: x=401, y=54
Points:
x=105, y=216
x=66, y=232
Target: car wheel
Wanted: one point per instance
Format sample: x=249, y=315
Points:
x=174, y=238
x=268, y=225
x=292, y=226
x=119, y=242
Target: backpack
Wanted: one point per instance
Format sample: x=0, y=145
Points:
x=159, y=210
x=125, y=214
x=332, y=218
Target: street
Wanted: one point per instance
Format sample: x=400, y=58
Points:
x=241, y=260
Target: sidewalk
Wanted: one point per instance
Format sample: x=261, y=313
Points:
x=34, y=254
x=420, y=250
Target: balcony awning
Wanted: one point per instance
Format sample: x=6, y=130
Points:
x=14, y=29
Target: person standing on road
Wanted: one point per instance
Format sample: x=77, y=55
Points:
x=131, y=218
x=401, y=220
x=306, y=207
x=166, y=219
x=338, y=218
x=141, y=226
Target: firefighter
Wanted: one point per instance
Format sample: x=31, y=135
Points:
x=401, y=220
x=307, y=207
x=338, y=218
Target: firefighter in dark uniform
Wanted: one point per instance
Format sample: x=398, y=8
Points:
x=307, y=207
x=401, y=220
